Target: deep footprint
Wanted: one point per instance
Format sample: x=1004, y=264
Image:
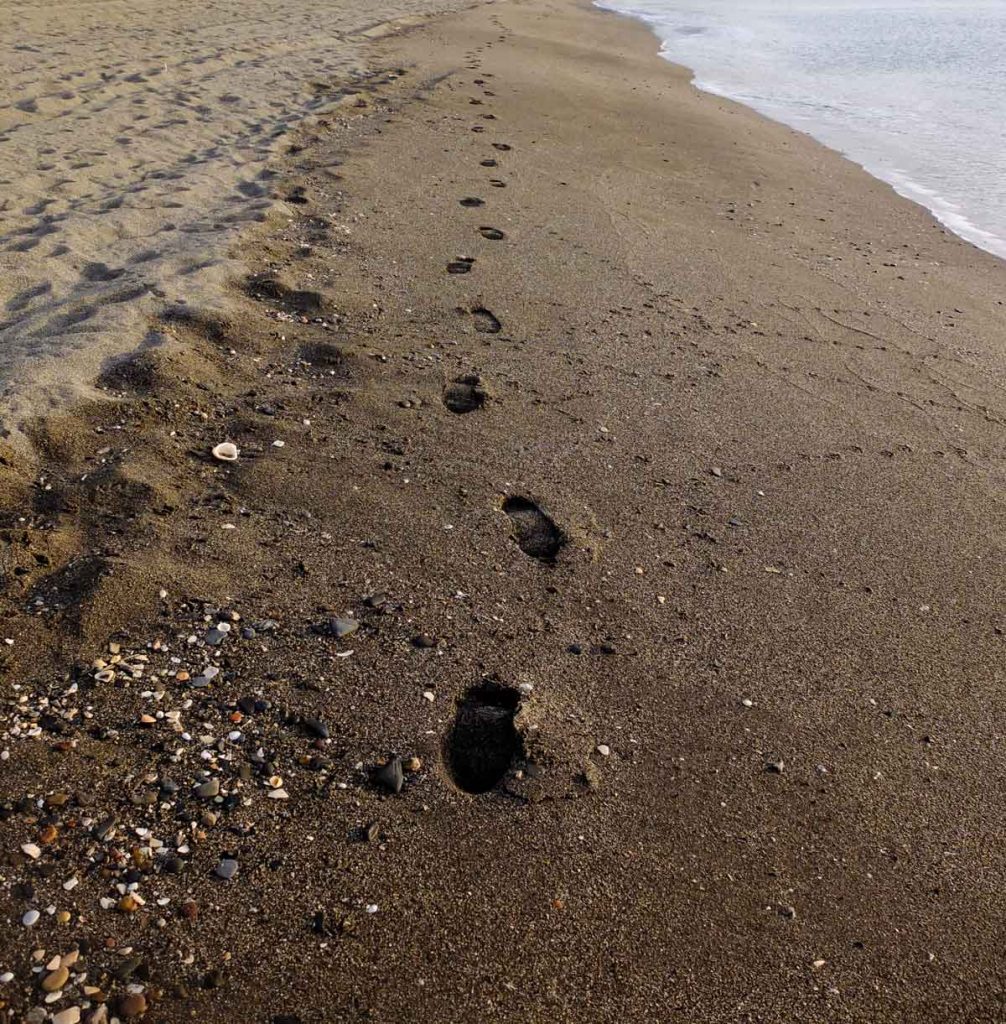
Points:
x=483, y=742
x=485, y=322
x=462, y=265
x=465, y=394
x=472, y=201
x=535, y=532
x=493, y=234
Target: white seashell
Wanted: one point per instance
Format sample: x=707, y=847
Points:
x=226, y=452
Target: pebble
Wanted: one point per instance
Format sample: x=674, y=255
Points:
x=6, y=978
x=340, y=627
x=227, y=869
x=603, y=749
x=207, y=676
x=412, y=764
x=390, y=775
x=30, y=918
x=278, y=794
x=31, y=850
x=71, y=1015
x=209, y=789
x=133, y=1005
x=55, y=981
x=317, y=728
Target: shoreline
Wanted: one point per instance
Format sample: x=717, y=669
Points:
x=944, y=211
x=578, y=634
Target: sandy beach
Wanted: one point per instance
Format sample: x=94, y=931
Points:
x=597, y=617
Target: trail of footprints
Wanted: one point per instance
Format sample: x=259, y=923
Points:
x=483, y=743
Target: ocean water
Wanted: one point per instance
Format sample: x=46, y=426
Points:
x=915, y=92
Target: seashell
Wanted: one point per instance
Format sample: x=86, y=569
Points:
x=226, y=452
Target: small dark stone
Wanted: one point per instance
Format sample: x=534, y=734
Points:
x=316, y=727
x=575, y=649
x=102, y=829
x=390, y=775
x=424, y=640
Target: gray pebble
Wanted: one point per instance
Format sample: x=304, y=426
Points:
x=226, y=869
x=340, y=627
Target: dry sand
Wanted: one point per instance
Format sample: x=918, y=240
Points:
x=702, y=593
x=134, y=138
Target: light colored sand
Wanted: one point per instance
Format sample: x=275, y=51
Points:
x=134, y=137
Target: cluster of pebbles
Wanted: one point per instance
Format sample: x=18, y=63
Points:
x=197, y=759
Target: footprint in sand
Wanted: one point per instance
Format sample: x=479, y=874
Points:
x=502, y=147
x=493, y=234
x=488, y=163
x=483, y=742
x=465, y=394
x=472, y=201
x=462, y=265
x=534, y=530
x=100, y=272
x=497, y=183
x=485, y=322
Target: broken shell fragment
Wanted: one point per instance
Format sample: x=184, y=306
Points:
x=226, y=452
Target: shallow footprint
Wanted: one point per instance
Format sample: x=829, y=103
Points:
x=472, y=201
x=502, y=147
x=483, y=742
x=535, y=532
x=99, y=272
x=493, y=234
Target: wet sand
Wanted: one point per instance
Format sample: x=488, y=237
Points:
x=635, y=513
